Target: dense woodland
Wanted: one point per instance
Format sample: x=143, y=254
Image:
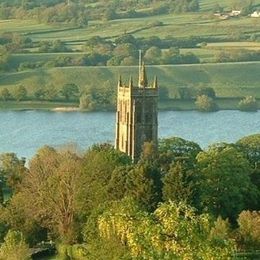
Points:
x=177, y=202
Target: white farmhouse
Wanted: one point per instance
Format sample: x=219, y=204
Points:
x=255, y=14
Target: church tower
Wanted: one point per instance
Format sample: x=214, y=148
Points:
x=137, y=115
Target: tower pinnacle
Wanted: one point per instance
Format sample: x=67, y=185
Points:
x=119, y=81
x=143, y=82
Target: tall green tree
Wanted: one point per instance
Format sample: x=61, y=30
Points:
x=99, y=164
x=177, y=184
x=250, y=147
x=177, y=149
x=225, y=180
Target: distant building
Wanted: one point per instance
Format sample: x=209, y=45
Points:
x=235, y=13
x=136, y=118
x=255, y=14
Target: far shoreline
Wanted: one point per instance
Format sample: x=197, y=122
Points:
x=163, y=105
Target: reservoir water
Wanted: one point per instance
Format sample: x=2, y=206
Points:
x=24, y=132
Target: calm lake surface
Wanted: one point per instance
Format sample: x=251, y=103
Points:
x=26, y=131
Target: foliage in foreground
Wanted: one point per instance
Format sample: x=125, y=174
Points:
x=172, y=203
x=171, y=231
x=14, y=247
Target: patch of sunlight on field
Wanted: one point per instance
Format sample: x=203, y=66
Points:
x=239, y=45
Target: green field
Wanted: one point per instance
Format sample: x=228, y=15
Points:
x=207, y=5
x=228, y=80
x=181, y=25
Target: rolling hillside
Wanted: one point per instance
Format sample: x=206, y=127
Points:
x=228, y=80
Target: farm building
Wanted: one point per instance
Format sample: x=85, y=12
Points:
x=255, y=14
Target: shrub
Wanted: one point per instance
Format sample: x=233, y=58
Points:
x=208, y=91
x=20, y=93
x=205, y=104
x=249, y=103
x=249, y=229
x=14, y=247
x=5, y=94
x=87, y=102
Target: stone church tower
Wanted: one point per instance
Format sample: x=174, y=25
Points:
x=137, y=116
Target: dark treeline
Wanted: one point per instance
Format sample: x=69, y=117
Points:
x=177, y=202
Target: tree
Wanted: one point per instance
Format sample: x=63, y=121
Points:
x=153, y=55
x=225, y=180
x=99, y=164
x=125, y=50
x=16, y=215
x=221, y=230
x=51, y=193
x=5, y=94
x=177, y=149
x=50, y=92
x=249, y=103
x=185, y=93
x=250, y=147
x=110, y=14
x=126, y=38
x=176, y=184
x=194, y=6
x=249, y=229
x=129, y=61
x=4, y=57
x=20, y=93
x=86, y=101
x=70, y=91
x=12, y=170
x=39, y=93
x=205, y=104
x=143, y=184
x=217, y=8
x=117, y=184
x=14, y=247
x=210, y=92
